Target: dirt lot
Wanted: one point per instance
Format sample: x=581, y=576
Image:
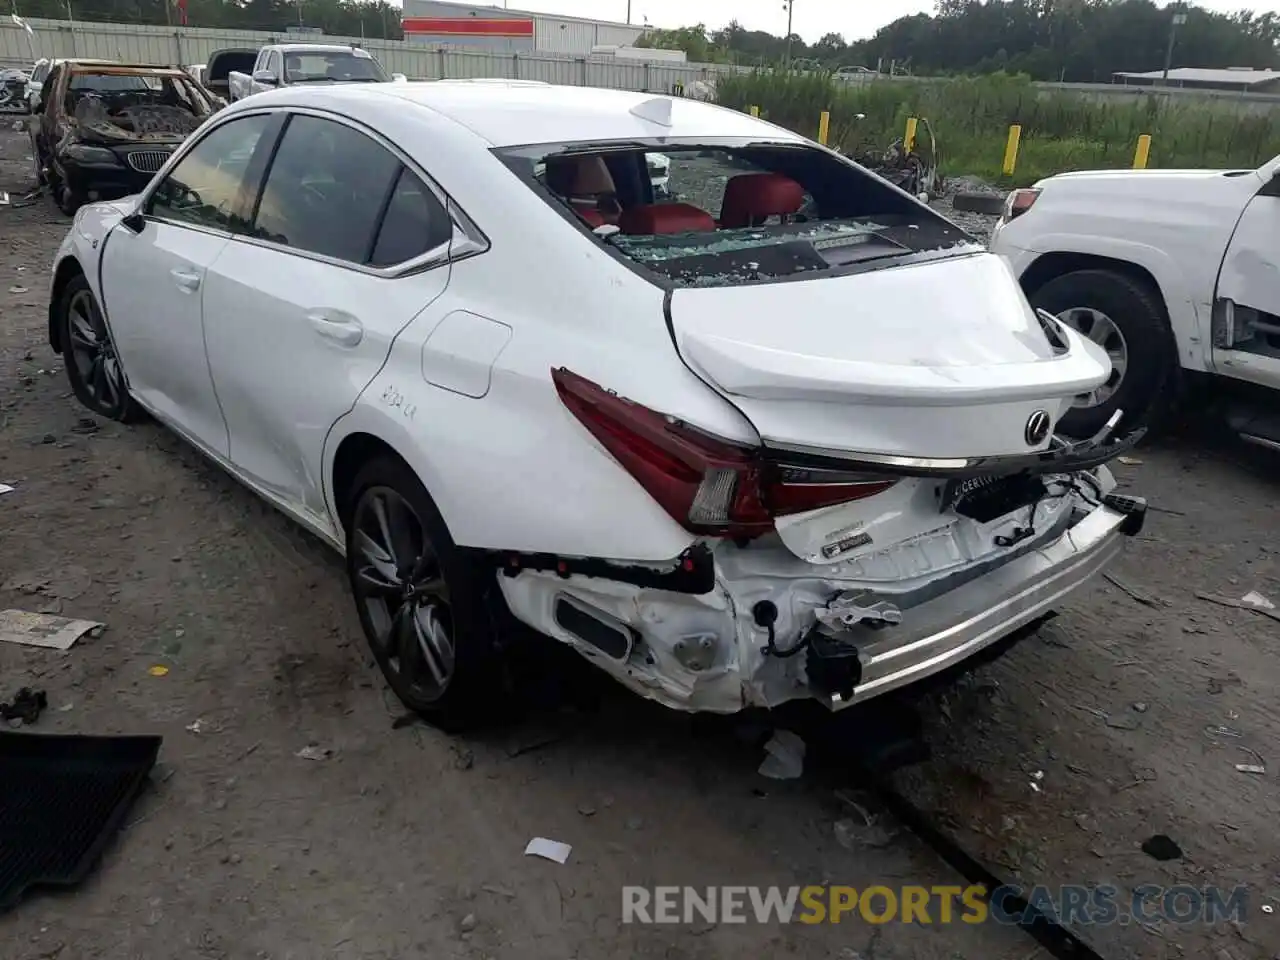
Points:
x=1052, y=765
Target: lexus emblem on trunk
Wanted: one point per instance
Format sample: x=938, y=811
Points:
x=1037, y=428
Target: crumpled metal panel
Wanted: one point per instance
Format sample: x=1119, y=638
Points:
x=140, y=121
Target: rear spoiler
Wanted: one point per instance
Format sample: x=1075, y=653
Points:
x=1062, y=456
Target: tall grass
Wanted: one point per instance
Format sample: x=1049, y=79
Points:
x=1061, y=130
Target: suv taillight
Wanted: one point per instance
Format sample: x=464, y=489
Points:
x=1019, y=202
x=708, y=485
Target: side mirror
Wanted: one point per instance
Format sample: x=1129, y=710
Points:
x=265, y=77
x=399, y=78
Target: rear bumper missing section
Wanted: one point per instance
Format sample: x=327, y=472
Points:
x=958, y=624
x=704, y=651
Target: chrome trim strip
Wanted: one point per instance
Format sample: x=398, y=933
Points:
x=1066, y=457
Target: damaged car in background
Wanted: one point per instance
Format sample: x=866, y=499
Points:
x=798, y=442
x=104, y=129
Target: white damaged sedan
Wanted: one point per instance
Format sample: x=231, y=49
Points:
x=793, y=440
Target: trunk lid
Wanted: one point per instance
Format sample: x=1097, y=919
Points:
x=929, y=361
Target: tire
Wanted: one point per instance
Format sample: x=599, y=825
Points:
x=1148, y=377
x=69, y=201
x=93, y=369
x=449, y=600
x=991, y=204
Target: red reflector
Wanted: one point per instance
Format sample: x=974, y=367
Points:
x=1019, y=202
x=708, y=485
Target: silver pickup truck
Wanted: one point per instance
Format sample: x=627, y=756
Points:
x=284, y=64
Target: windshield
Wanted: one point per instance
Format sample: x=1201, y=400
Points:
x=336, y=66
x=721, y=214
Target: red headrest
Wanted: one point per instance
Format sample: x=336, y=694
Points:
x=665, y=218
x=751, y=197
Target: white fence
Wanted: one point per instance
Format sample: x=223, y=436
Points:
x=189, y=45
x=135, y=43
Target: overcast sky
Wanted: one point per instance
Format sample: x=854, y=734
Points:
x=853, y=18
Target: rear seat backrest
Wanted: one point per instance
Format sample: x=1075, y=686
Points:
x=665, y=218
x=751, y=198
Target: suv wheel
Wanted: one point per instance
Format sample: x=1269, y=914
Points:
x=1126, y=318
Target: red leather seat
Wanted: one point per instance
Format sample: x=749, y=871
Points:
x=751, y=198
x=665, y=218
x=593, y=217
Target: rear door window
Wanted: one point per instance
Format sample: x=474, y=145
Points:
x=415, y=223
x=325, y=190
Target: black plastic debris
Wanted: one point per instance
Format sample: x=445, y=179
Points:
x=61, y=800
x=1161, y=848
x=27, y=706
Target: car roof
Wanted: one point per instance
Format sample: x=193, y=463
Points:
x=318, y=48
x=516, y=113
x=112, y=68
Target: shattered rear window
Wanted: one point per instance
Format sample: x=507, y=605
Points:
x=748, y=254
x=729, y=213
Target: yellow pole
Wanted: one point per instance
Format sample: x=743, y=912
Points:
x=824, y=126
x=1142, y=153
x=909, y=139
x=1011, y=149
x=754, y=111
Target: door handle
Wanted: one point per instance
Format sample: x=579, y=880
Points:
x=185, y=279
x=339, y=327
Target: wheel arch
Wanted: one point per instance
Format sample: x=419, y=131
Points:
x=1185, y=314
x=1050, y=266
x=68, y=268
x=351, y=454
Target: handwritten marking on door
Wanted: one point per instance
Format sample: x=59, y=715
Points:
x=396, y=400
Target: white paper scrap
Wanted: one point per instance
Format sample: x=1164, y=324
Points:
x=42, y=629
x=548, y=849
x=1253, y=598
x=5, y=488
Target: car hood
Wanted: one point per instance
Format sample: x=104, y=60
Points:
x=1154, y=183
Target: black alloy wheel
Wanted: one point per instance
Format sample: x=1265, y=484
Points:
x=421, y=603
x=93, y=368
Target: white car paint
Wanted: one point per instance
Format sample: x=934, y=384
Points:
x=1202, y=235
x=267, y=360
x=660, y=173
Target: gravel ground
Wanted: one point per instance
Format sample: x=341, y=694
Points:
x=405, y=843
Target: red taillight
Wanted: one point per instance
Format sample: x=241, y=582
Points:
x=708, y=485
x=1019, y=202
